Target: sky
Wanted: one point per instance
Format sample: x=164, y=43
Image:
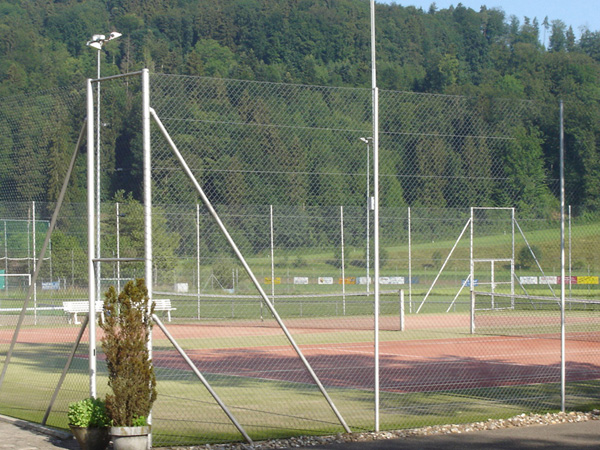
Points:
x=576, y=13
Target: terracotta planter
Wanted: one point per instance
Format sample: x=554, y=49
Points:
x=130, y=438
x=91, y=438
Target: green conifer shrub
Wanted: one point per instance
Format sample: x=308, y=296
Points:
x=131, y=377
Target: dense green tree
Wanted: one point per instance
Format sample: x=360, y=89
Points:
x=241, y=149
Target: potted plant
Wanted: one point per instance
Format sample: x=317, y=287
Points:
x=89, y=423
x=127, y=327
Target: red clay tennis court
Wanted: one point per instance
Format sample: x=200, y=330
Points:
x=415, y=365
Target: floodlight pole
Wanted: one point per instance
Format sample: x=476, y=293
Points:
x=376, y=210
x=97, y=42
x=98, y=254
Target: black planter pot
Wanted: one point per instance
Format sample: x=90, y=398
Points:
x=90, y=438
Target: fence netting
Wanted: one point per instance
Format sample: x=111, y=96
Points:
x=470, y=278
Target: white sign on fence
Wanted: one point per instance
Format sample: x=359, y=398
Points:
x=300, y=280
x=182, y=288
x=391, y=280
x=528, y=280
x=325, y=280
x=549, y=280
x=50, y=285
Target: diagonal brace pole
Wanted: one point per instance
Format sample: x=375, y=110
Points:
x=42, y=255
x=534, y=257
x=443, y=265
x=202, y=378
x=241, y=258
x=66, y=369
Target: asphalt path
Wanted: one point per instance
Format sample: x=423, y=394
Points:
x=20, y=435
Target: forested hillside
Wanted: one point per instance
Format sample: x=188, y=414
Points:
x=323, y=42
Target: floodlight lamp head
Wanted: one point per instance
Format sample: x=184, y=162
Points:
x=97, y=41
x=114, y=35
x=95, y=44
x=365, y=140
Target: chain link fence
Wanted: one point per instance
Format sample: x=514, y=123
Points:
x=470, y=318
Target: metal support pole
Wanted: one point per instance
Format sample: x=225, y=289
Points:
x=562, y=261
x=34, y=262
x=249, y=271
x=272, y=256
x=118, y=247
x=65, y=370
x=512, y=260
x=5, y=257
x=472, y=272
x=401, y=309
x=534, y=256
x=472, y=311
x=198, y=255
x=343, y=262
x=376, y=211
x=28, y=240
x=570, y=262
x=368, y=262
x=204, y=381
x=409, y=261
x=98, y=254
x=91, y=237
x=493, y=283
x=147, y=202
x=443, y=266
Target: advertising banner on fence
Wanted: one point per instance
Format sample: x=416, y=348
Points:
x=391, y=280
x=568, y=280
x=347, y=280
x=587, y=280
x=325, y=280
x=300, y=280
x=549, y=280
x=528, y=280
x=50, y=285
x=276, y=281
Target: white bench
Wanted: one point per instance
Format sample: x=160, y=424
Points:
x=164, y=304
x=81, y=307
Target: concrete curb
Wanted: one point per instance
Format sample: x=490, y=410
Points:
x=59, y=434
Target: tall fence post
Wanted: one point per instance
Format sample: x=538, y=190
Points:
x=562, y=262
x=147, y=203
x=91, y=236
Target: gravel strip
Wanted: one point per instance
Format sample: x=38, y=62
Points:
x=522, y=420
